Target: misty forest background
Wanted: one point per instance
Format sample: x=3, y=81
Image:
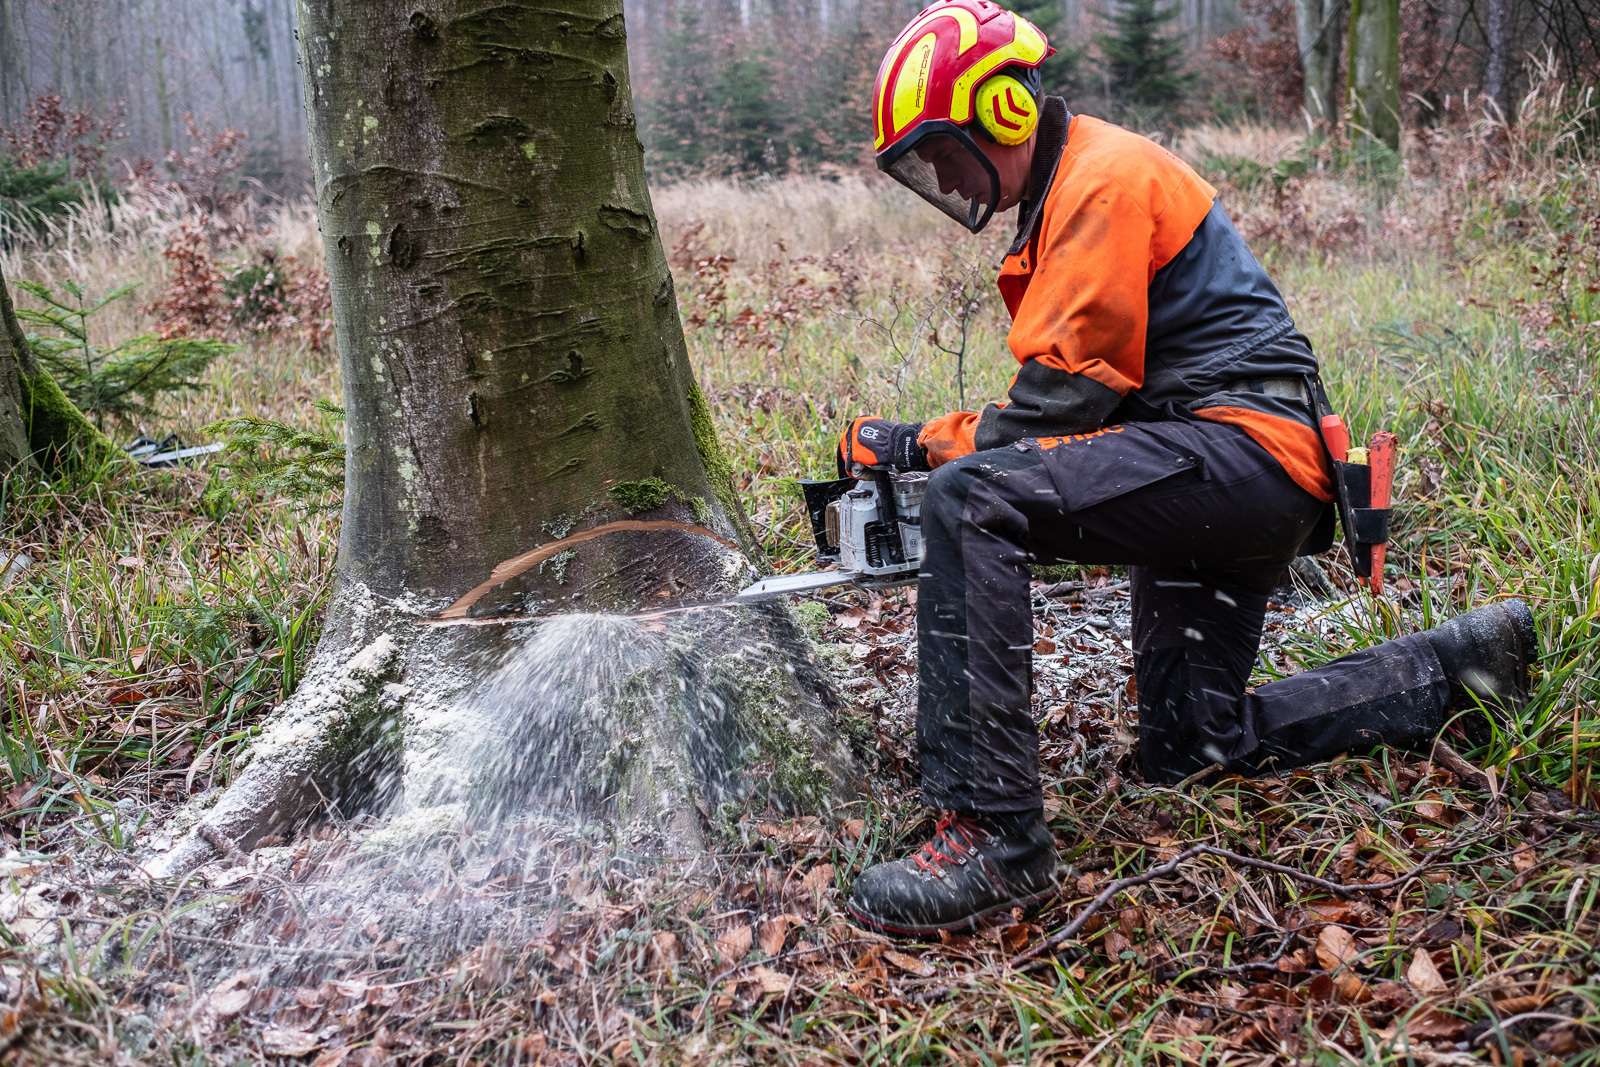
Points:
x=740, y=87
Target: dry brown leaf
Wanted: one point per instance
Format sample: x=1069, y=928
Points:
x=383, y=996
x=332, y=1057
x=280, y=1042
x=770, y=981
x=1431, y=1025
x=1015, y=938
x=1351, y=988
x=1560, y=1040
x=854, y=829
x=1424, y=976
x=1115, y=944
x=772, y=933
x=664, y=946
x=232, y=995
x=1430, y=809
x=1329, y=911
x=734, y=943
x=1518, y=1005
x=818, y=878
x=797, y=832
x=1335, y=948
x=909, y=964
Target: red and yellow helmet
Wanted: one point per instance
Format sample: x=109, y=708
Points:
x=956, y=62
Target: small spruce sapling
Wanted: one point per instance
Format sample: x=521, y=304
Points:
x=271, y=458
x=123, y=381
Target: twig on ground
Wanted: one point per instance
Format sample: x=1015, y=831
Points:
x=1268, y=964
x=222, y=942
x=1452, y=761
x=1500, y=1026
x=1202, y=773
x=790, y=954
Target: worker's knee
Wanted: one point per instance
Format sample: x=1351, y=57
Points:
x=949, y=486
x=975, y=500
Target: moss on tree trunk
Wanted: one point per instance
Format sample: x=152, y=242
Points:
x=37, y=421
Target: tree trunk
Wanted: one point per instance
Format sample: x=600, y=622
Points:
x=1375, y=68
x=524, y=438
x=14, y=450
x=1319, y=30
x=37, y=421
x=1495, y=84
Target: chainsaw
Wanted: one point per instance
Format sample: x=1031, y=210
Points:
x=870, y=527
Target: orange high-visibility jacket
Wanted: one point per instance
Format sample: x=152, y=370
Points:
x=1130, y=291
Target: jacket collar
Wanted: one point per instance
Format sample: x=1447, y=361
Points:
x=1053, y=120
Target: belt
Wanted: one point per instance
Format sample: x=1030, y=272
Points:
x=1286, y=388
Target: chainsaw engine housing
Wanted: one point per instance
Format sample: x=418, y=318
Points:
x=871, y=526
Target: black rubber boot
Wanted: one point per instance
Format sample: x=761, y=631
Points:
x=970, y=869
x=1487, y=655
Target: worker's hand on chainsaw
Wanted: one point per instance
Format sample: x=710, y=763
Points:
x=870, y=441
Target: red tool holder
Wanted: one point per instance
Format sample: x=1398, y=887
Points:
x=1361, y=490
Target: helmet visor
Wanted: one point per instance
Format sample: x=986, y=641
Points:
x=949, y=172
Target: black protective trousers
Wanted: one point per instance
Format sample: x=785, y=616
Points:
x=1207, y=520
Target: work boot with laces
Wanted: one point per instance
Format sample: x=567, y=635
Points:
x=1487, y=655
x=971, y=868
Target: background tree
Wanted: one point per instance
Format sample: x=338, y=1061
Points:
x=1062, y=73
x=516, y=388
x=1319, y=31
x=1144, y=59
x=1375, y=69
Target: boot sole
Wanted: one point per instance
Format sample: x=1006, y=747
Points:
x=971, y=922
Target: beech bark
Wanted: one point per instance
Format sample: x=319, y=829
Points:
x=515, y=376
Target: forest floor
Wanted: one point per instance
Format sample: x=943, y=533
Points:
x=1429, y=907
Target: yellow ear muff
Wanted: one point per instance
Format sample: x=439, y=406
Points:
x=1007, y=110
